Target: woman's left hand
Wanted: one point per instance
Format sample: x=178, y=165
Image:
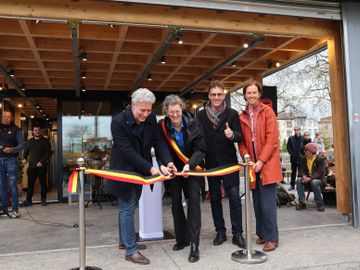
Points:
x=258, y=166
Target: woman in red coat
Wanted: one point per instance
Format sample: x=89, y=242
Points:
x=260, y=131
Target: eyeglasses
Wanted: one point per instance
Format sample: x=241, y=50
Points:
x=174, y=112
x=216, y=95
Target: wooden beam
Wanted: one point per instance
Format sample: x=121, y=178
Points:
x=161, y=15
x=340, y=127
x=118, y=46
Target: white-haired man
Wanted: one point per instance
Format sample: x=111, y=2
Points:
x=134, y=133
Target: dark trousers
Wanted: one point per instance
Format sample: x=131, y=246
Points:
x=233, y=193
x=294, y=171
x=264, y=201
x=186, y=230
x=32, y=174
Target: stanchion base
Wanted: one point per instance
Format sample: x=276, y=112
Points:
x=87, y=268
x=242, y=256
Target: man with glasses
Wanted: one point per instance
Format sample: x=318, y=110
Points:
x=222, y=129
x=11, y=143
x=295, y=147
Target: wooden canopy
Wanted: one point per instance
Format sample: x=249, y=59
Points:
x=43, y=44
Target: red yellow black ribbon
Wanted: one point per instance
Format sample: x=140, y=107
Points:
x=134, y=178
x=176, y=148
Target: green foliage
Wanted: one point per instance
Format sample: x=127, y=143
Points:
x=327, y=143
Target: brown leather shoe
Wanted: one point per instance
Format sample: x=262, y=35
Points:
x=140, y=246
x=260, y=241
x=301, y=206
x=138, y=258
x=320, y=207
x=270, y=246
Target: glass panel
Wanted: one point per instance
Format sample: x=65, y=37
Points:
x=86, y=135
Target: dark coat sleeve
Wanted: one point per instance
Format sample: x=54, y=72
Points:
x=198, y=146
x=319, y=169
x=235, y=127
x=289, y=147
x=302, y=167
x=122, y=140
x=162, y=151
x=47, y=153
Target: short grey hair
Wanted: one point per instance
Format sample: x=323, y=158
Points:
x=172, y=100
x=143, y=95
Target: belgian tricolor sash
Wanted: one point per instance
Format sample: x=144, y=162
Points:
x=176, y=148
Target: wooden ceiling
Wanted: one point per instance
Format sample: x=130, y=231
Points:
x=39, y=55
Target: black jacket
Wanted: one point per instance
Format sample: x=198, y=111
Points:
x=295, y=147
x=132, y=152
x=193, y=137
x=318, y=169
x=219, y=149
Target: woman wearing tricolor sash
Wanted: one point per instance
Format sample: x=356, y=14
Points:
x=185, y=139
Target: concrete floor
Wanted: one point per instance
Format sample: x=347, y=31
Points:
x=44, y=238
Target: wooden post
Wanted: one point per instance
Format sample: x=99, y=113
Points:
x=340, y=125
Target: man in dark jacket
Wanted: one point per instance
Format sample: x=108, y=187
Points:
x=222, y=129
x=311, y=176
x=37, y=152
x=134, y=133
x=11, y=143
x=295, y=147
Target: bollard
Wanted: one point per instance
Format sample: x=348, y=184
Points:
x=82, y=250
x=248, y=255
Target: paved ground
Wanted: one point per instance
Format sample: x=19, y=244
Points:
x=44, y=238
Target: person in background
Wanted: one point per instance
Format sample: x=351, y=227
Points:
x=11, y=143
x=222, y=129
x=134, y=133
x=37, y=152
x=307, y=138
x=311, y=175
x=179, y=127
x=295, y=147
x=319, y=141
x=260, y=130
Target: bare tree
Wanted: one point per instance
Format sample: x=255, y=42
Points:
x=303, y=86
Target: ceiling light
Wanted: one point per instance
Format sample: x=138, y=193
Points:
x=179, y=39
x=111, y=25
x=41, y=110
x=149, y=77
x=11, y=73
x=226, y=91
x=37, y=21
x=162, y=59
x=32, y=116
x=246, y=44
x=83, y=75
x=83, y=89
x=277, y=64
x=20, y=105
x=194, y=106
x=37, y=106
x=83, y=56
x=233, y=64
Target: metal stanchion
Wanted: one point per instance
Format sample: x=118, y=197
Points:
x=248, y=255
x=82, y=251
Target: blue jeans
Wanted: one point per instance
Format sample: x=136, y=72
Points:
x=264, y=201
x=127, y=234
x=233, y=194
x=315, y=186
x=8, y=169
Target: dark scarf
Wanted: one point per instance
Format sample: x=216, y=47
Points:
x=214, y=115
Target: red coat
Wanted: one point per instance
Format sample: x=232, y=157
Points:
x=267, y=135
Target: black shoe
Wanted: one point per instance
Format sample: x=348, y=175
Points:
x=239, y=240
x=43, y=203
x=27, y=203
x=194, y=255
x=4, y=212
x=180, y=246
x=220, y=238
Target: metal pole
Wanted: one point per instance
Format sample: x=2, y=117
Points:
x=82, y=250
x=81, y=162
x=248, y=256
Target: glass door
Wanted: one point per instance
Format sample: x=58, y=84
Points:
x=86, y=133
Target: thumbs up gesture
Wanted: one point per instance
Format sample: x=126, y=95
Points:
x=228, y=132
